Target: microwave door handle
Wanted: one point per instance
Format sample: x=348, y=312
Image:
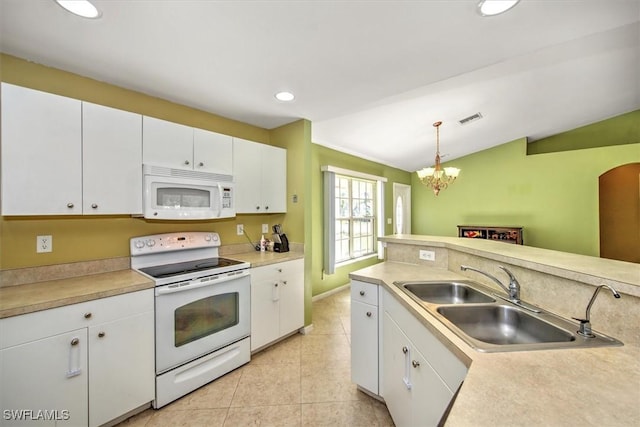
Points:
x=220, y=196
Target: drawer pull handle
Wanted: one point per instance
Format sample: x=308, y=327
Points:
x=361, y=293
x=368, y=314
x=70, y=205
x=101, y=334
x=87, y=315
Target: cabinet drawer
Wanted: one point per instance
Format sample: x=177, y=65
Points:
x=41, y=324
x=364, y=292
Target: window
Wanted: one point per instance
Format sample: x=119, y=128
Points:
x=353, y=216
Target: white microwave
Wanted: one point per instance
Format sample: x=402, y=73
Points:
x=183, y=194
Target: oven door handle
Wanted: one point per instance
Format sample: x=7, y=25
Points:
x=163, y=290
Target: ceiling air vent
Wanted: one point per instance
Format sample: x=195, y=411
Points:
x=471, y=118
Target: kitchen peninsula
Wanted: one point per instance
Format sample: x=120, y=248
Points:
x=585, y=386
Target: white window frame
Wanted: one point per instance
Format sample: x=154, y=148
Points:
x=330, y=173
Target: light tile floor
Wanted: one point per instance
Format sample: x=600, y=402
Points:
x=304, y=380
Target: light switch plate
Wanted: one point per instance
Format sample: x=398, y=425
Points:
x=44, y=244
x=265, y=228
x=240, y=229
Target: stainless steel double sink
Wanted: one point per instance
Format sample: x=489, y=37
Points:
x=490, y=324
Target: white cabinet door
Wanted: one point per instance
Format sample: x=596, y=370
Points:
x=291, y=296
x=364, y=345
x=47, y=374
x=41, y=153
x=212, y=152
x=122, y=375
x=430, y=395
x=260, y=174
x=112, y=160
x=265, y=306
x=247, y=174
x=395, y=379
x=167, y=144
x=274, y=179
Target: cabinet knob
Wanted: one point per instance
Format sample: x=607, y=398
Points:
x=279, y=270
x=201, y=164
x=405, y=349
x=266, y=208
x=284, y=282
x=101, y=334
x=275, y=284
x=69, y=205
x=187, y=162
x=361, y=293
x=75, y=341
x=94, y=206
x=368, y=314
x=415, y=363
x=87, y=315
x=257, y=208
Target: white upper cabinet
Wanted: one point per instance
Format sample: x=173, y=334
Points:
x=62, y=156
x=212, y=152
x=112, y=159
x=41, y=153
x=260, y=174
x=167, y=144
x=182, y=147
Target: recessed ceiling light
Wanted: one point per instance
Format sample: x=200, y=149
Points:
x=495, y=7
x=284, y=96
x=82, y=8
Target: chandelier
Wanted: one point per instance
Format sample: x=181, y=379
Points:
x=438, y=178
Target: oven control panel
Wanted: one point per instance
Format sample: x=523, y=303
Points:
x=173, y=242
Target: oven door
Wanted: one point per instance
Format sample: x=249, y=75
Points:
x=197, y=318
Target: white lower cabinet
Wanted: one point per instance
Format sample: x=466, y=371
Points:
x=120, y=355
x=420, y=375
x=77, y=365
x=49, y=375
x=364, y=335
x=277, y=301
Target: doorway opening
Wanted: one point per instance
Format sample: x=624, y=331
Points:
x=619, y=205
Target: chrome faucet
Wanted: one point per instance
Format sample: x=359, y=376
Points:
x=514, y=287
x=585, y=324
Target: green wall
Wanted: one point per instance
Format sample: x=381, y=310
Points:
x=321, y=156
x=622, y=129
x=554, y=196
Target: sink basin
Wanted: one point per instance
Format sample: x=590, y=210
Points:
x=446, y=293
x=502, y=324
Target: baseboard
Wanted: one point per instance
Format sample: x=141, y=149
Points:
x=331, y=292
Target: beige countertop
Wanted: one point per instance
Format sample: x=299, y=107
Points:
x=43, y=295
x=258, y=259
x=30, y=297
x=568, y=387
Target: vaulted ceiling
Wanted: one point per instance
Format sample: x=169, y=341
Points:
x=372, y=76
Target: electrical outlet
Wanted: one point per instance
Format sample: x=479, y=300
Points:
x=389, y=221
x=265, y=228
x=44, y=244
x=240, y=229
x=427, y=255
